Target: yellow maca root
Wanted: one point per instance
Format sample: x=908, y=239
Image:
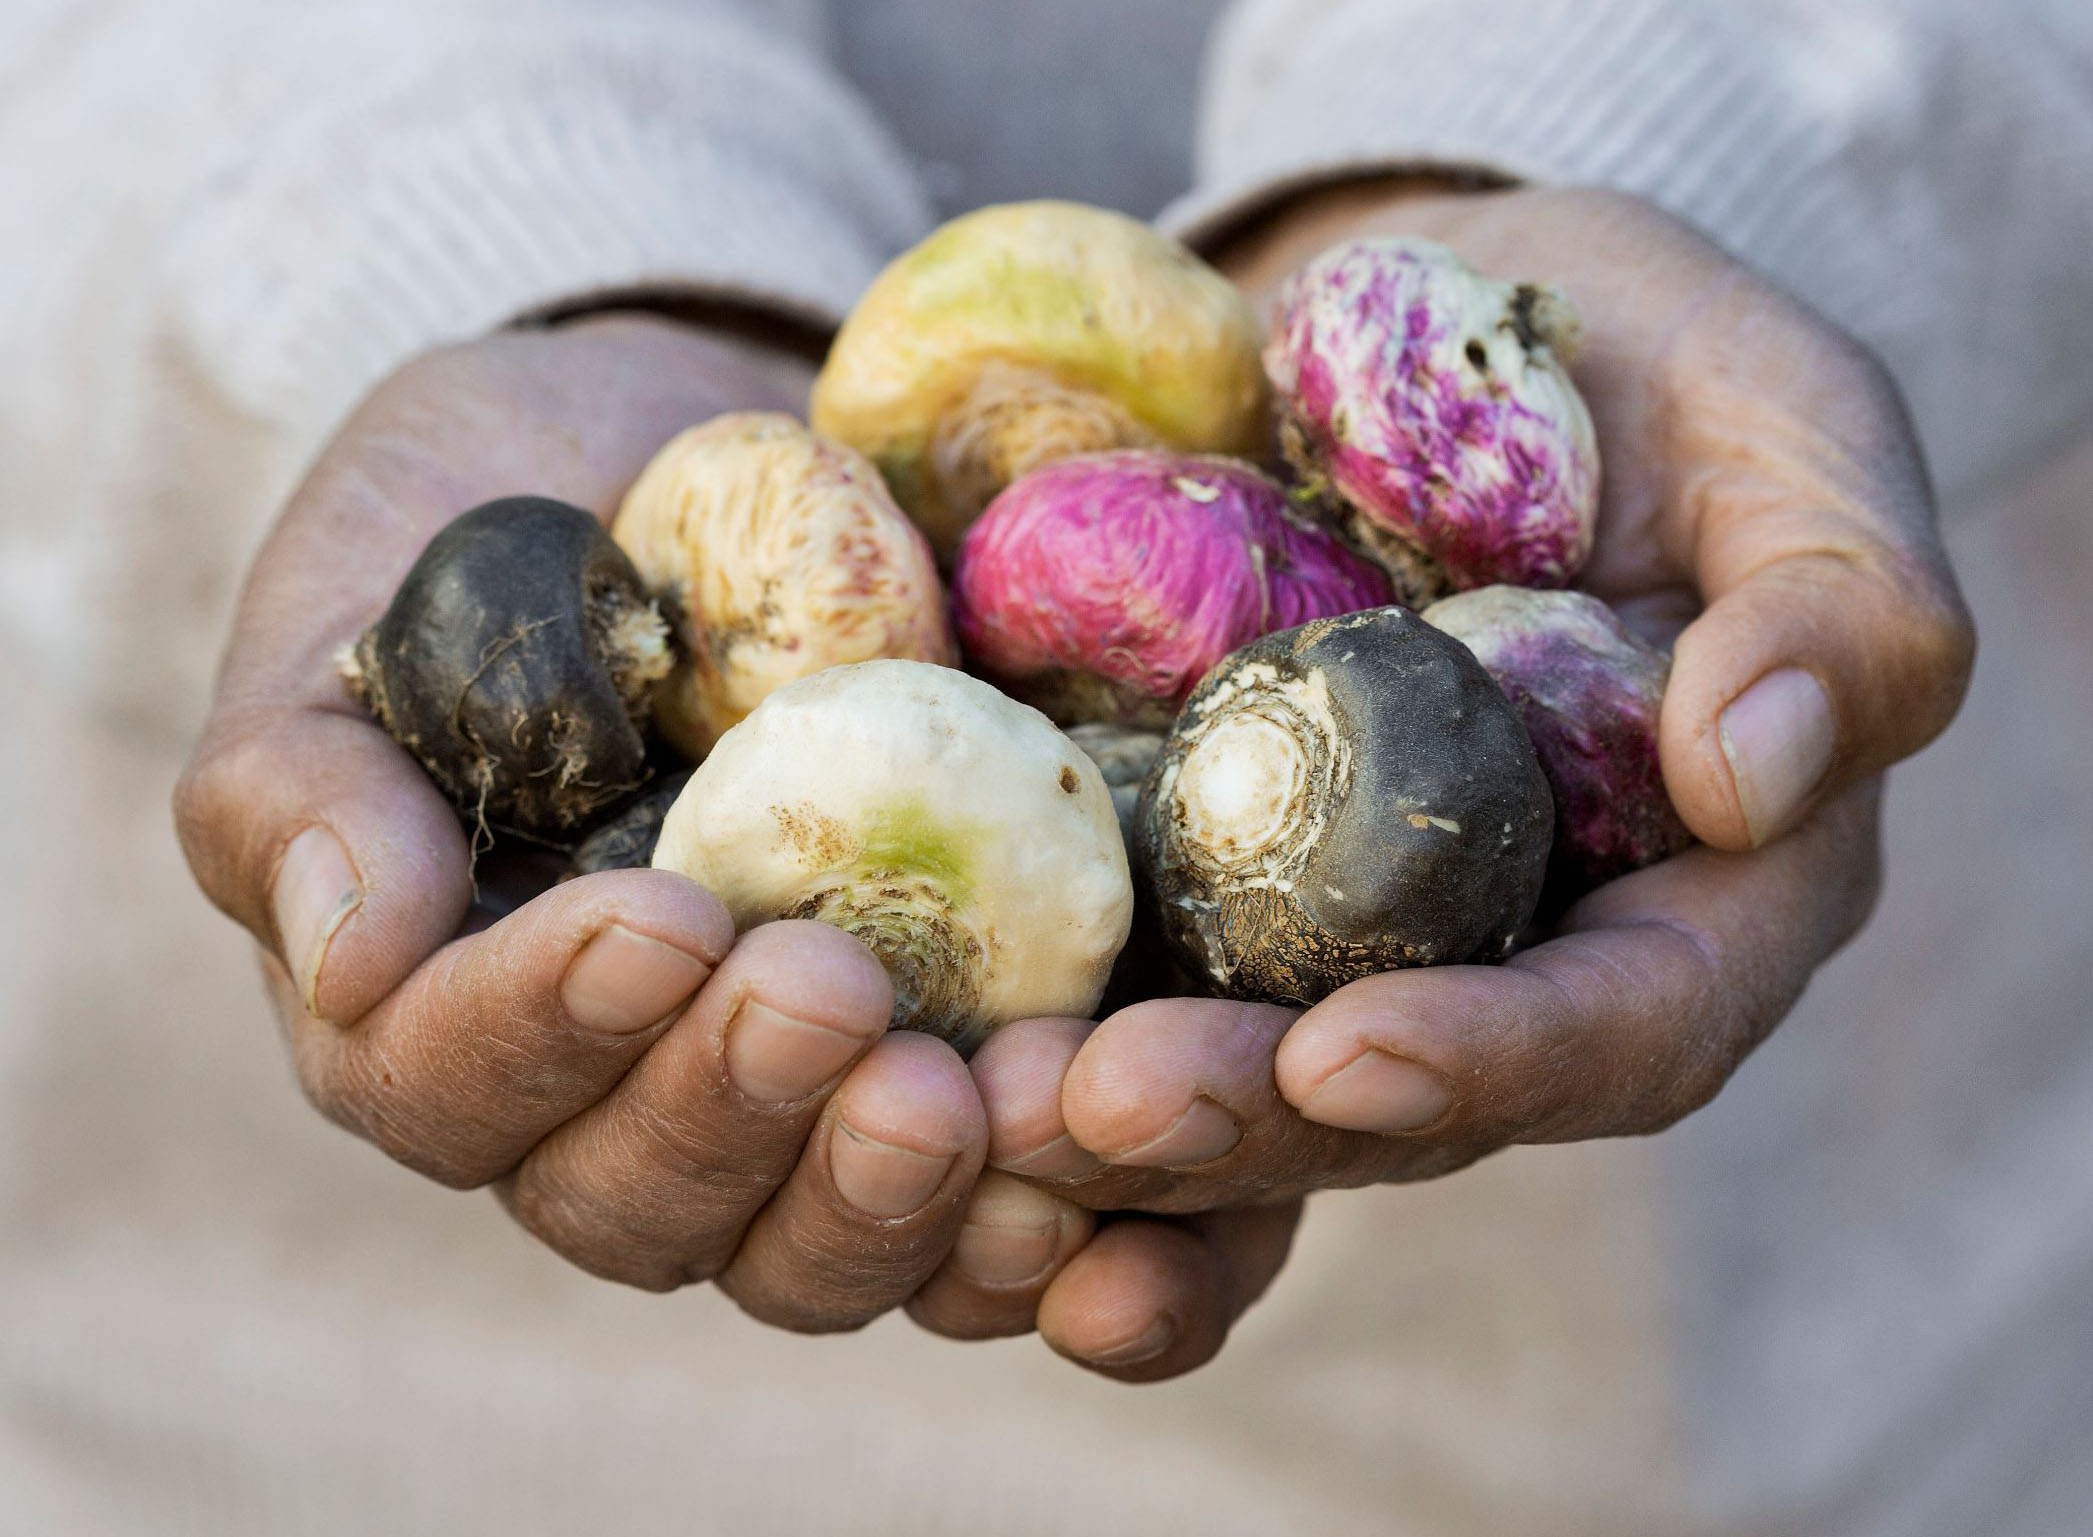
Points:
x=1030, y=331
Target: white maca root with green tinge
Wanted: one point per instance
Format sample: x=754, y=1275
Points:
x=778, y=553
x=964, y=839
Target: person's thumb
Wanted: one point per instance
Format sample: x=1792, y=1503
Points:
x=1835, y=643
x=320, y=836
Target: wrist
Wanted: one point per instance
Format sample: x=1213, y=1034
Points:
x=752, y=357
x=754, y=323
x=1259, y=251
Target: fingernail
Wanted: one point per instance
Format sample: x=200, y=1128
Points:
x=880, y=1179
x=1380, y=1093
x=316, y=891
x=775, y=1059
x=623, y=982
x=1203, y=1133
x=1145, y=1346
x=994, y=1255
x=1062, y=1158
x=1779, y=736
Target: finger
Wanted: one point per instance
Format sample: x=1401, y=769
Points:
x=1183, y=1089
x=1014, y=1240
x=323, y=839
x=300, y=818
x=655, y=1185
x=877, y=1198
x=1018, y=1073
x=1149, y=1298
x=1632, y=1020
x=1834, y=641
x=500, y=1037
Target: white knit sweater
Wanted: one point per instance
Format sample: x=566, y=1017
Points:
x=222, y=220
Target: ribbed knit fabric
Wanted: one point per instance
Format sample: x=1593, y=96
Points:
x=462, y=163
x=1917, y=169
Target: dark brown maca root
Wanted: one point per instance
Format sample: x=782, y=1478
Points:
x=1344, y=798
x=515, y=663
x=627, y=840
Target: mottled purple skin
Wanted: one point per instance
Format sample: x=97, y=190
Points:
x=1102, y=588
x=1589, y=693
x=1430, y=401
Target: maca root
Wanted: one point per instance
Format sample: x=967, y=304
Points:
x=515, y=663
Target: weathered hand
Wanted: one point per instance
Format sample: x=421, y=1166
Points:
x=657, y=1102
x=1764, y=492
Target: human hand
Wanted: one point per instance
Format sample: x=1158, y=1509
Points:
x=656, y=1101
x=1764, y=492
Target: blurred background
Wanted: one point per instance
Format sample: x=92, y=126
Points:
x=220, y=1315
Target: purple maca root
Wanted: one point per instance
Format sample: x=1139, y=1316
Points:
x=1430, y=408
x=1104, y=587
x=1589, y=693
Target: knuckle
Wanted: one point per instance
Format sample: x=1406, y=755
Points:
x=1692, y=1085
x=625, y=1238
x=320, y=1079
x=955, y=1317
x=213, y=804
x=684, y=1147
x=799, y=1314
x=602, y=1255
x=385, y=1106
x=1942, y=637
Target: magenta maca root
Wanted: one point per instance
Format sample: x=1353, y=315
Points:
x=1430, y=409
x=1104, y=587
x=1590, y=694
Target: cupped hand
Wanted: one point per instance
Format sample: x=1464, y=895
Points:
x=658, y=1102
x=1767, y=505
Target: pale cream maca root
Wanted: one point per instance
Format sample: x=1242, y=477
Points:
x=778, y=553
x=957, y=832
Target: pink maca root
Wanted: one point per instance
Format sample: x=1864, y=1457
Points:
x=1590, y=694
x=1432, y=406
x=1102, y=588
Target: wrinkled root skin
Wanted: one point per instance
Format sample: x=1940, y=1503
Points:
x=1102, y=588
x=1420, y=835
x=1590, y=694
x=931, y=955
x=776, y=553
x=1014, y=421
x=1434, y=405
x=514, y=664
x=1415, y=579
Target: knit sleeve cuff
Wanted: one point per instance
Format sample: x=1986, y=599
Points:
x=474, y=183
x=1702, y=109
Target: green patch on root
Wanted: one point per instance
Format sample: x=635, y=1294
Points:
x=907, y=838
